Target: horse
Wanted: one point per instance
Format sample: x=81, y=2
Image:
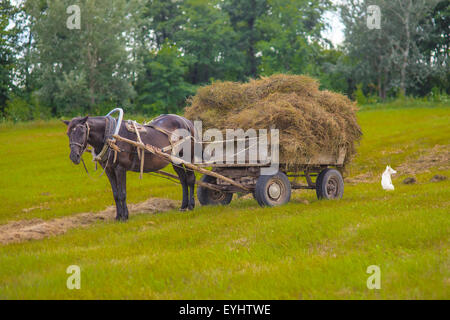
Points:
x=95, y=131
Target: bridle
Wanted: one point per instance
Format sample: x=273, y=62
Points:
x=83, y=145
x=104, y=154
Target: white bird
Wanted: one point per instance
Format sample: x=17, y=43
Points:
x=386, y=181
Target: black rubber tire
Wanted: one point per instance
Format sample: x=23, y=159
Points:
x=329, y=185
x=319, y=182
x=210, y=197
x=262, y=190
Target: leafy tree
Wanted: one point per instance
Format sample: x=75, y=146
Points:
x=389, y=57
x=208, y=43
x=78, y=69
x=161, y=86
x=404, y=23
x=436, y=48
x=334, y=70
x=291, y=33
x=244, y=16
x=160, y=20
x=163, y=49
x=8, y=38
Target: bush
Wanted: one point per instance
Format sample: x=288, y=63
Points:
x=18, y=109
x=39, y=111
x=359, y=95
x=438, y=95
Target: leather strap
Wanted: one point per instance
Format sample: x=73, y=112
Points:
x=109, y=131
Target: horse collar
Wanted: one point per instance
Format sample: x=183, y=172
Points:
x=109, y=131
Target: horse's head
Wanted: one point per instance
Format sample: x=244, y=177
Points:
x=78, y=133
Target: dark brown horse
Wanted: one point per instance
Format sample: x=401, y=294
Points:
x=95, y=131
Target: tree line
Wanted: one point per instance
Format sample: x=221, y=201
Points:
x=148, y=56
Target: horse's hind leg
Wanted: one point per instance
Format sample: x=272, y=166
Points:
x=190, y=179
x=183, y=179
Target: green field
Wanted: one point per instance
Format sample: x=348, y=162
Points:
x=308, y=249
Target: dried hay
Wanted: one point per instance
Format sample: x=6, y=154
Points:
x=310, y=121
x=36, y=229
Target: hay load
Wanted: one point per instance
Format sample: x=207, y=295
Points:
x=310, y=121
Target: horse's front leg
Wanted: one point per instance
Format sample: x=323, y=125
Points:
x=111, y=174
x=121, y=179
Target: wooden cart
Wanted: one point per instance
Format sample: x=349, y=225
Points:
x=323, y=174
x=217, y=185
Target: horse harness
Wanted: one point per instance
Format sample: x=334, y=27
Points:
x=108, y=137
x=109, y=141
x=134, y=127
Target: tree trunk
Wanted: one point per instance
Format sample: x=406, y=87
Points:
x=380, y=78
x=406, y=49
x=385, y=79
x=28, y=88
x=251, y=48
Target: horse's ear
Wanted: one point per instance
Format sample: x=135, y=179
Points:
x=83, y=120
x=66, y=122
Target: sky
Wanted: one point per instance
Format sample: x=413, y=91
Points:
x=336, y=31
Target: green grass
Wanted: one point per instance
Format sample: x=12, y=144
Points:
x=392, y=135
x=406, y=102
x=298, y=251
x=36, y=171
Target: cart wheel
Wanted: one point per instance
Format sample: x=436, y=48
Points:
x=273, y=190
x=212, y=197
x=329, y=185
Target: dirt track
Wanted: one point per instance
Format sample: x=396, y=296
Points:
x=437, y=157
x=35, y=229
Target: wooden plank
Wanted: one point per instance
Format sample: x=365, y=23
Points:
x=300, y=186
x=341, y=158
x=173, y=159
x=319, y=160
x=329, y=159
x=199, y=183
x=232, y=165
